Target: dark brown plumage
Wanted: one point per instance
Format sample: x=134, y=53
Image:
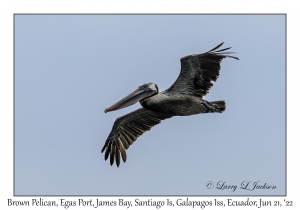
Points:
x=183, y=98
x=127, y=129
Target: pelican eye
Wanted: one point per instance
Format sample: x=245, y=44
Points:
x=143, y=87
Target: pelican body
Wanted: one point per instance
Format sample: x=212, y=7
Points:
x=176, y=105
x=183, y=98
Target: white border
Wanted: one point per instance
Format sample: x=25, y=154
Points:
x=8, y=8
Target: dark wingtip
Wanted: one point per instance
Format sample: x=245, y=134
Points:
x=111, y=159
x=223, y=49
x=105, y=111
x=221, y=52
x=106, y=154
x=216, y=47
x=233, y=57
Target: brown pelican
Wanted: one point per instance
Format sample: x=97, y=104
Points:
x=184, y=97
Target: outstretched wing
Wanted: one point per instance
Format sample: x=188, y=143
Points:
x=197, y=71
x=126, y=129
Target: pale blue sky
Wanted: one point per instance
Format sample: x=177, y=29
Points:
x=69, y=68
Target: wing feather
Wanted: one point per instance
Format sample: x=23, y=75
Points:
x=122, y=150
x=126, y=129
x=124, y=141
x=198, y=71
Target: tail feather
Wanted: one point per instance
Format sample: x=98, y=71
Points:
x=220, y=105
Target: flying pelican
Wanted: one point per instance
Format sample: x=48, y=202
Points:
x=183, y=98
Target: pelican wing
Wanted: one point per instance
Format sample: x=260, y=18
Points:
x=127, y=129
x=197, y=71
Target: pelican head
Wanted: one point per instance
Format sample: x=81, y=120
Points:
x=144, y=91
